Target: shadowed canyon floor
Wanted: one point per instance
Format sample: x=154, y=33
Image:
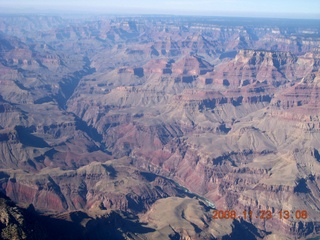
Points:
x=137, y=127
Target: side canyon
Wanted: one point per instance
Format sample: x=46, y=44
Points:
x=144, y=125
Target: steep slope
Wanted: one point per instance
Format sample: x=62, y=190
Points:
x=107, y=114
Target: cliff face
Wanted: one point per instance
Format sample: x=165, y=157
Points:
x=94, y=187
x=108, y=114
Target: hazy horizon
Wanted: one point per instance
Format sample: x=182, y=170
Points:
x=247, y=8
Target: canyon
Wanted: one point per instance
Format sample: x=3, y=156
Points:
x=146, y=124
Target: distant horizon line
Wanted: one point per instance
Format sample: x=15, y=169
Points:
x=95, y=13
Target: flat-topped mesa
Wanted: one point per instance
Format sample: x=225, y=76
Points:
x=181, y=68
x=300, y=103
x=248, y=66
x=209, y=99
x=249, y=53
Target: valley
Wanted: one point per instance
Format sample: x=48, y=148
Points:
x=157, y=120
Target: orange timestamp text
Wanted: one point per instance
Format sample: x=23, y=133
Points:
x=261, y=214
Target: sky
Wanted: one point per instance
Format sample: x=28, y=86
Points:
x=244, y=8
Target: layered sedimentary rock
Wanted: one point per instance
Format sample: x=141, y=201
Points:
x=107, y=114
x=94, y=187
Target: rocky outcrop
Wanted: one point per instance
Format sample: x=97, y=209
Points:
x=12, y=223
x=98, y=115
x=95, y=187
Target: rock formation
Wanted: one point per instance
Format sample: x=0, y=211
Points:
x=108, y=118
